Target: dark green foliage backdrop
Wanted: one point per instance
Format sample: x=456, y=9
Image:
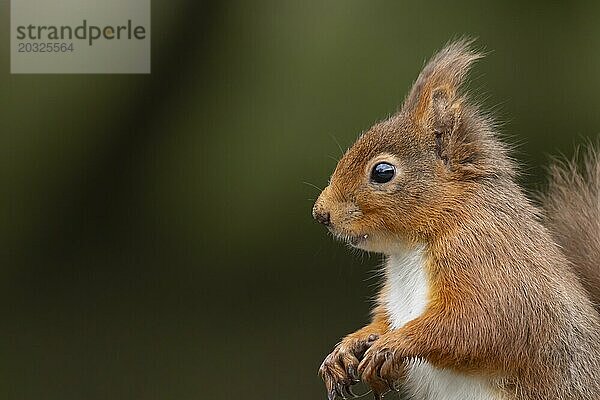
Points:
x=156, y=239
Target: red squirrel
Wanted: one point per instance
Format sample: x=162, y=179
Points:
x=486, y=296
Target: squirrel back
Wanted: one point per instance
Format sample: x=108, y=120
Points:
x=572, y=213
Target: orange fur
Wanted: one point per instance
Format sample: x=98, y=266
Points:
x=572, y=212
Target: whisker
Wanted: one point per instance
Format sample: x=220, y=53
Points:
x=338, y=143
x=312, y=185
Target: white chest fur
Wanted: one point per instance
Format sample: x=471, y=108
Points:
x=406, y=287
x=407, y=297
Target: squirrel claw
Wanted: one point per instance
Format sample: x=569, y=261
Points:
x=331, y=395
x=340, y=390
x=350, y=392
x=353, y=374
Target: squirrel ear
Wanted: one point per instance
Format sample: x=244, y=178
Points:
x=434, y=100
x=442, y=110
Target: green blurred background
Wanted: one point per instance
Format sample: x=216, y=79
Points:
x=156, y=237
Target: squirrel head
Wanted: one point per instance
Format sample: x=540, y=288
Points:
x=406, y=178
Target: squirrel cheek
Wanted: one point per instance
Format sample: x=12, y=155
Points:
x=349, y=214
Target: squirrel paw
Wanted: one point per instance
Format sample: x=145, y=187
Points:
x=339, y=370
x=383, y=366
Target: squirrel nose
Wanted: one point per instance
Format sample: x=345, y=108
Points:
x=323, y=217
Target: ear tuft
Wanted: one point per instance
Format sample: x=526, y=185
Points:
x=434, y=98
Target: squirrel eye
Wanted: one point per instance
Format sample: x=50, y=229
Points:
x=382, y=172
